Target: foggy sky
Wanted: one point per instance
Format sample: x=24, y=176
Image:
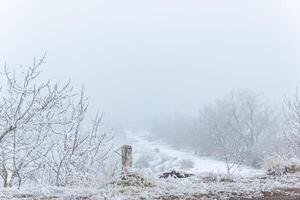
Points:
x=140, y=59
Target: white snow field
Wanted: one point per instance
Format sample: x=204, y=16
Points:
x=160, y=157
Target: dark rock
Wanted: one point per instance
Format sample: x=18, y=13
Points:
x=175, y=174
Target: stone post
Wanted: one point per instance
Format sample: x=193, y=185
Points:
x=126, y=157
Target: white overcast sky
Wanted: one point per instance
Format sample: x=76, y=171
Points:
x=141, y=58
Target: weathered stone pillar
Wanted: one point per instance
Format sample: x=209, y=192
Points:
x=126, y=157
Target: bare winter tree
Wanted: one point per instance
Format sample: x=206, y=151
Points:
x=77, y=155
x=227, y=144
x=235, y=124
x=292, y=122
x=41, y=129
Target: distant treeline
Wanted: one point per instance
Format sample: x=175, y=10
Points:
x=241, y=128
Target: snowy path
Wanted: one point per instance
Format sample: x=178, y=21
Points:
x=160, y=157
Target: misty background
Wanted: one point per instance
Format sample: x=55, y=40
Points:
x=143, y=59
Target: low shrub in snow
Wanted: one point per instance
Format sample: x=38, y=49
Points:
x=279, y=165
x=212, y=177
x=144, y=161
x=133, y=178
x=186, y=164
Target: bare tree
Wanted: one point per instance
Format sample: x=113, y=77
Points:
x=227, y=144
x=39, y=120
x=77, y=155
x=292, y=123
x=235, y=124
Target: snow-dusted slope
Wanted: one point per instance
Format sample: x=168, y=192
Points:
x=159, y=157
x=146, y=184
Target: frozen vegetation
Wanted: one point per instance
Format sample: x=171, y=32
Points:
x=151, y=160
x=150, y=100
x=239, y=148
x=147, y=185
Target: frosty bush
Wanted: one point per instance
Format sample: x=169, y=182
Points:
x=42, y=138
x=186, y=164
x=280, y=165
x=292, y=123
x=144, y=160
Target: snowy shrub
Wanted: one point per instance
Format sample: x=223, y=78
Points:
x=156, y=150
x=292, y=123
x=279, y=165
x=186, y=164
x=213, y=177
x=164, y=157
x=144, y=160
x=133, y=178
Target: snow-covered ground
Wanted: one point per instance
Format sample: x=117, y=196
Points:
x=160, y=156
x=146, y=185
x=151, y=158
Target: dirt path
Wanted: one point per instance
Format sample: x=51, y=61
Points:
x=284, y=194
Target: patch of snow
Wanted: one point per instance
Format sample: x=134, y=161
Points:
x=160, y=156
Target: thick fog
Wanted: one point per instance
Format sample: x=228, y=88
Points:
x=141, y=59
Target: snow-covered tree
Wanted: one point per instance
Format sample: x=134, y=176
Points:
x=236, y=124
x=41, y=130
x=292, y=122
